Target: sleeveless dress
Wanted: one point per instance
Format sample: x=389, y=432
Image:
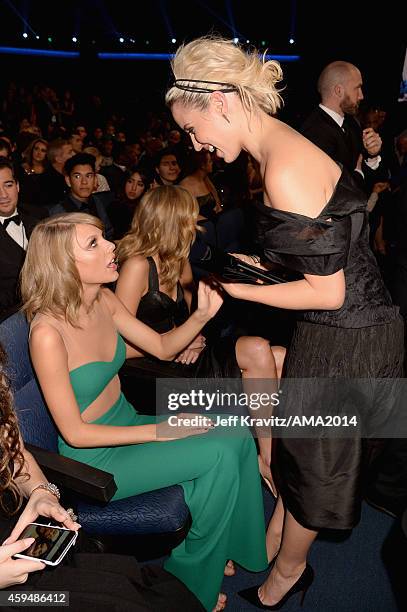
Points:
x=207, y=205
x=218, y=473
x=321, y=480
x=162, y=313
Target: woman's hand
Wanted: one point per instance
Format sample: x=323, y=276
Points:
x=209, y=300
x=15, y=571
x=181, y=426
x=41, y=503
x=188, y=356
x=252, y=260
x=191, y=353
x=236, y=290
x=265, y=473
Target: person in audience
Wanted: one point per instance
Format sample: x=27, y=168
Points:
x=197, y=182
x=5, y=148
x=54, y=186
x=313, y=221
x=156, y=285
x=332, y=125
x=111, y=168
x=154, y=267
x=35, y=157
x=15, y=229
x=80, y=336
x=167, y=168
x=80, y=176
x=76, y=142
x=88, y=576
x=102, y=184
x=121, y=211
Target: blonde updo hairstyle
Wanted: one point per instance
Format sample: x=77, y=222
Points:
x=164, y=224
x=50, y=281
x=218, y=59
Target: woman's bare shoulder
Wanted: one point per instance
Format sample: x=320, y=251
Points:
x=301, y=182
x=135, y=262
x=45, y=337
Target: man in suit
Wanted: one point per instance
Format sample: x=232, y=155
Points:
x=15, y=229
x=80, y=177
x=53, y=185
x=332, y=126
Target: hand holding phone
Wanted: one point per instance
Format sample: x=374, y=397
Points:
x=15, y=571
x=50, y=545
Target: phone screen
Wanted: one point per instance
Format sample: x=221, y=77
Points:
x=50, y=541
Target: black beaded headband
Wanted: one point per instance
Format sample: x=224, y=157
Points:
x=225, y=87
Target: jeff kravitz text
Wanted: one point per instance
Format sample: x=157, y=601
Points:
x=328, y=420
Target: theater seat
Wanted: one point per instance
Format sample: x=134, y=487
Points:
x=156, y=521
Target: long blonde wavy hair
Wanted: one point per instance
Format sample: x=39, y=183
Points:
x=11, y=458
x=50, y=281
x=164, y=224
x=213, y=58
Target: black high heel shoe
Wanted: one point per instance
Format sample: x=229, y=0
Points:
x=303, y=583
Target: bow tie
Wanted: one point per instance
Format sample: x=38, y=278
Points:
x=16, y=219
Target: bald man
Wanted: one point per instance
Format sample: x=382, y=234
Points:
x=332, y=126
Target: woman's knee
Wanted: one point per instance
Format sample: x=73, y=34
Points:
x=254, y=351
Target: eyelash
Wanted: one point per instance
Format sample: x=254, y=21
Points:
x=190, y=130
x=93, y=243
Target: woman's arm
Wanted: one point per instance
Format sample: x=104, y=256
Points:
x=40, y=501
x=132, y=283
x=168, y=345
x=312, y=293
x=50, y=361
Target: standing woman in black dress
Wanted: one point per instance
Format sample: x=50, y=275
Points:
x=313, y=221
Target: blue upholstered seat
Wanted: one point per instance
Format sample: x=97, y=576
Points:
x=156, y=512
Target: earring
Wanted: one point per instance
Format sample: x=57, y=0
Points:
x=226, y=118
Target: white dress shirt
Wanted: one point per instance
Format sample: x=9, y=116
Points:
x=16, y=232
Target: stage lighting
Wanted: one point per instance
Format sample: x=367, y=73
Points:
x=121, y=40
x=173, y=40
x=74, y=39
x=37, y=37
x=291, y=41
x=50, y=39
x=25, y=35
x=236, y=40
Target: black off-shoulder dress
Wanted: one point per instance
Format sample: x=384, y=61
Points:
x=321, y=478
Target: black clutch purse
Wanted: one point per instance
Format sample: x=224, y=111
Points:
x=235, y=270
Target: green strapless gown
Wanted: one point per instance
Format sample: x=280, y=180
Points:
x=219, y=475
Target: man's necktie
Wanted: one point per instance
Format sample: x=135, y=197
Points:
x=16, y=219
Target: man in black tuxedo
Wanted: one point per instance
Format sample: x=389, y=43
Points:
x=80, y=177
x=332, y=126
x=15, y=229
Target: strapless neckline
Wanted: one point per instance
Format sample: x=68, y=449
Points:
x=100, y=362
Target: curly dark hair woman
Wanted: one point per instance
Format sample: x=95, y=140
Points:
x=11, y=457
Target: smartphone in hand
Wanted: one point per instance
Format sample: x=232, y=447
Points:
x=51, y=543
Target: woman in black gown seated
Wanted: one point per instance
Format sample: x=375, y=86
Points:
x=95, y=581
x=156, y=285
x=313, y=221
